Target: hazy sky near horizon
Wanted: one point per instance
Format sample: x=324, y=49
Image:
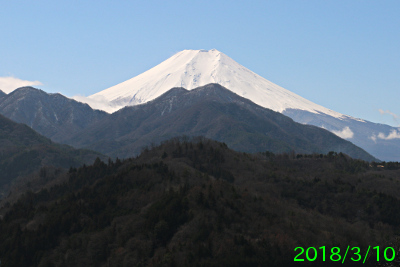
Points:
x=341, y=54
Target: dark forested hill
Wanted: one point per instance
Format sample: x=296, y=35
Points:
x=198, y=203
x=52, y=115
x=23, y=151
x=214, y=112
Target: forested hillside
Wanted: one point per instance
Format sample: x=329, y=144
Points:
x=198, y=203
x=24, y=152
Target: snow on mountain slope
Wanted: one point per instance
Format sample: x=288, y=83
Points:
x=194, y=68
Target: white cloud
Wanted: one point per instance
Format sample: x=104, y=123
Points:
x=388, y=112
x=9, y=84
x=346, y=133
x=395, y=116
x=392, y=135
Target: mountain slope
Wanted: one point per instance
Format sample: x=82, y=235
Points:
x=214, y=112
x=23, y=151
x=52, y=115
x=193, y=68
x=2, y=94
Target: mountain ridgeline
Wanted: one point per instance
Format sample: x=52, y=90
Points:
x=195, y=202
x=211, y=111
x=52, y=115
x=214, y=112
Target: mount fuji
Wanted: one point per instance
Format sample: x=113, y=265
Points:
x=194, y=68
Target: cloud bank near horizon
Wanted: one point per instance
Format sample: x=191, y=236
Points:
x=392, y=135
x=9, y=84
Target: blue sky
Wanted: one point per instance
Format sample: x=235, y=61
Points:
x=344, y=55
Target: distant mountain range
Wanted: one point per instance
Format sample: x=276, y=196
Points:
x=23, y=152
x=211, y=111
x=193, y=68
x=67, y=121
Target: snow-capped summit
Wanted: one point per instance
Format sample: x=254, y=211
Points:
x=193, y=68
